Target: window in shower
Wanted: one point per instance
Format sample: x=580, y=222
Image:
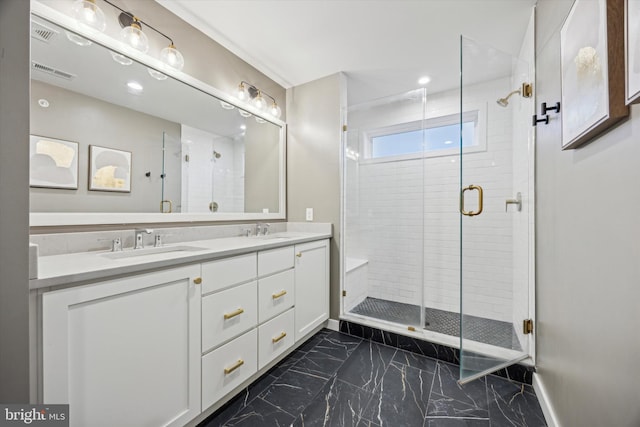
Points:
x=438, y=136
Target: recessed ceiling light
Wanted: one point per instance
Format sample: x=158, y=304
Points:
x=43, y=103
x=135, y=87
x=424, y=80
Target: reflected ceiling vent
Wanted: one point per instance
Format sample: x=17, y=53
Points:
x=42, y=32
x=53, y=71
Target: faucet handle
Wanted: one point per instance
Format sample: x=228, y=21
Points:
x=265, y=229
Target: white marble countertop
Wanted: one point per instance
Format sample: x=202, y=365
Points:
x=79, y=268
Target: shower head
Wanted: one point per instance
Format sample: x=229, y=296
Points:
x=526, y=91
x=503, y=102
x=216, y=154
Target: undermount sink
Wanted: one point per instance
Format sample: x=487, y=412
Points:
x=131, y=253
x=274, y=237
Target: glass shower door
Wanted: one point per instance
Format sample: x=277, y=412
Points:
x=383, y=211
x=496, y=172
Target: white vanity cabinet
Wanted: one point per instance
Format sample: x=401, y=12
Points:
x=131, y=345
x=160, y=348
x=311, y=286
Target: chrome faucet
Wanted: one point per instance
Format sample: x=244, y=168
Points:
x=262, y=228
x=139, y=244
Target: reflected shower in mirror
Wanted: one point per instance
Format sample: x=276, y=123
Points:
x=189, y=149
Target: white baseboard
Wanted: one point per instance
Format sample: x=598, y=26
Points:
x=333, y=324
x=545, y=402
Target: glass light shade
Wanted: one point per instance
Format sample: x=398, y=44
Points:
x=260, y=120
x=121, y=59
x=244, y=113
x=88, y=13
x=260, y=102
x=172, y=57
x=134, y=37
x=156, y=74
x=226, y=105
x=275, y=110
x=242, y=94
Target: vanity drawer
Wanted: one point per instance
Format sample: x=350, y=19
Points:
x=275, y=260
x=218, y=374
x=226, y=272
x=229, y=313
x=275, y=337
x=275, y=294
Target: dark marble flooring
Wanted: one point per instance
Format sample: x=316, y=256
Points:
x=339, y=380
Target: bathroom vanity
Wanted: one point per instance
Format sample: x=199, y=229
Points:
x=168, y=335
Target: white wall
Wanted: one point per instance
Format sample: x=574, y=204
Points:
x=588, y=248
x=313, y=161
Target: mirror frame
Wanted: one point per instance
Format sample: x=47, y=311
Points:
x=48, y=219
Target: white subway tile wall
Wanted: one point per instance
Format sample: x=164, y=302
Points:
x=402, y=217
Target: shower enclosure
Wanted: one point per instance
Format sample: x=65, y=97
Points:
x=438, y=212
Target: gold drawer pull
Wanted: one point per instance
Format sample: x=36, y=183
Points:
x=235, y=366
x=197, y=280
x=238, y=312
x=279, y=337
x=279, y=294
x=299, y=254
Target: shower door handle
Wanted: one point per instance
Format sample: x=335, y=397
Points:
x=480, y=197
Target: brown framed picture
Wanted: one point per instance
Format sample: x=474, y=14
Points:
x=593, y=70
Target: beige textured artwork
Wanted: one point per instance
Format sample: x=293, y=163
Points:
x=53, y=163
x=110, y=169
x=584, y=69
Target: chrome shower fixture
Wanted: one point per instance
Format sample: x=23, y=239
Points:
x=526, y=91
x=216, y=154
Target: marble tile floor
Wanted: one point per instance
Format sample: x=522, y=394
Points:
x=335, y=379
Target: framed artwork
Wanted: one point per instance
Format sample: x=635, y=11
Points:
x=632, y=47
x=592, y=65
x=109, y=169
x=53, y=163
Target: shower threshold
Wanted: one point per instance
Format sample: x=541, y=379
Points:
x=480, y=329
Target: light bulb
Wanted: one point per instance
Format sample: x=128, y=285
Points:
x=275, y=110
x=88, y=13
x=172, y=57
x=242, y=94
x=259, y=102
x=134, y=37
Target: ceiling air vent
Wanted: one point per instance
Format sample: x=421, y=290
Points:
x=50, y=70
x=42, y=32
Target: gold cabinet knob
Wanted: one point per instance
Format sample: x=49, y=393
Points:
x=197, y=280
x=299, y=254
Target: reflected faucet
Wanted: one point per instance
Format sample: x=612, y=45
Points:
x=138, y=240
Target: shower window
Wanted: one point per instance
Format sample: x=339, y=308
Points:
x=438, y=136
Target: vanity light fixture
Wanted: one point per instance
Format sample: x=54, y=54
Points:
x=132, y=34
x=121, y=59
x=226, y=105
x=256, y=97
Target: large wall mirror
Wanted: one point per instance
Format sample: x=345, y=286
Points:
x=116, y=141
